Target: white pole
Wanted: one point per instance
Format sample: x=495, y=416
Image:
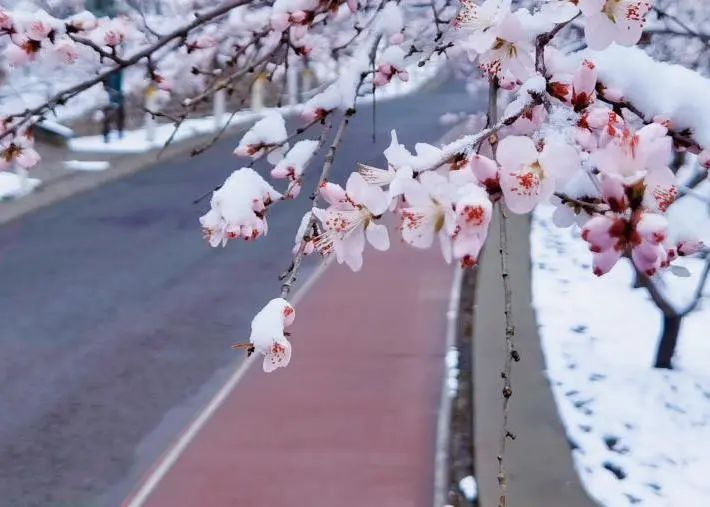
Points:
x=257, y=93
x=219, y=101
x=292, y=83
x=307, y=83
x=150, y=94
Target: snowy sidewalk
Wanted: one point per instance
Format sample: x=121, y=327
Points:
x=538, y=462
x=352, y=421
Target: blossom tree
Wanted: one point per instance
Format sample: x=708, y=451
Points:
x=578, y=116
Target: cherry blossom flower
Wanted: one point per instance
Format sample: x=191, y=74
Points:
x=66, y=51
x=398, y=171
x=429, y=212
x=473, y=210
x=641, y=235
x=481, y=24
x=268, y=336
x=528, y=177
x=350, y=219
x=630, y=155
x=510, y=53
x=238, y=208
x=610, y=21
x=392, y=64
x=18, y=150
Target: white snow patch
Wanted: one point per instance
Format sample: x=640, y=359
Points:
x=136, y=141
x=452, y=371
x=15, y=185
x=640, y=434
x=657, y=88
x=87, y=165
x=469, y=488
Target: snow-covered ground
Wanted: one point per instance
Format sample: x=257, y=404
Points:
x=15, y=185
x=640, y=436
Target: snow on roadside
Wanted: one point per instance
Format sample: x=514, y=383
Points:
x=136, y=141
x=640, y=436
x=14, y=185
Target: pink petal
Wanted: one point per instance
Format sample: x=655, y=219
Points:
x=599, y=32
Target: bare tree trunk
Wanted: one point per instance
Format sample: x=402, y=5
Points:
x=668, y=341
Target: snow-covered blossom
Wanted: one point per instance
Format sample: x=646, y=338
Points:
x=619, y=21
x=350, y=218
x=267, y=135
x=527, y=176
x=291, y=167
x=293, y=13
x=238, y=208
x=66, y=51
x=268, y=336
x=391, y=64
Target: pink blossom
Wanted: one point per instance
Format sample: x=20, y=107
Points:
x=640, y=235
x=473, y=210
x=583, y=85
x=630, y=155
x=18, y=150
x=392, y=64
x=610, y=21
x=528, y=177
x=511, y=52
x=481, y=24
x=429, y=212
x=38, y=29
x=66, y=51
x=487, y=173
x=268, y=336
x=350, y=218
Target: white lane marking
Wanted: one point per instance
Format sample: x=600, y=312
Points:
x=441, y=455
x=173, y=454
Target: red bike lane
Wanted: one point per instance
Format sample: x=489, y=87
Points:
x=351, y=422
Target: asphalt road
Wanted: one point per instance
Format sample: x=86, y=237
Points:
x=116, y=317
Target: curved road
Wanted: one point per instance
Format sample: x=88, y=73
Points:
x=116, y=317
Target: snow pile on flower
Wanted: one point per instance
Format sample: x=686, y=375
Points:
x=268, y=336
x=238, y=208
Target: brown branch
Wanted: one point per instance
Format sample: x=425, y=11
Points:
x=101, y=51
x=543, y=40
